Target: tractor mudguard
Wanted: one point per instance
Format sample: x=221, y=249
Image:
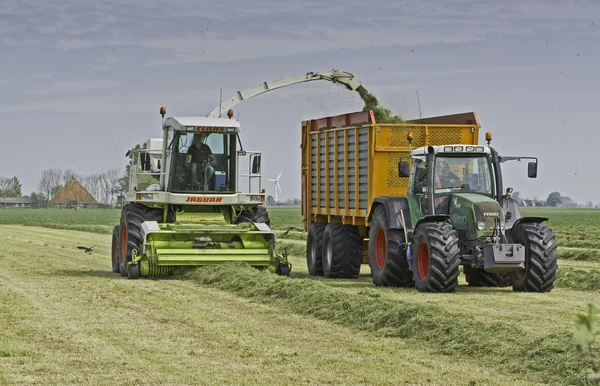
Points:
x=392, y=207
x=433, y=218
x=528, y=219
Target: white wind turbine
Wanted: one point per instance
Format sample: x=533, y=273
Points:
x=277, y=186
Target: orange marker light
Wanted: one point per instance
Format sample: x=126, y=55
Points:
x=163, y=111
x=409, y=136
x=488, y=136
x=230, y=113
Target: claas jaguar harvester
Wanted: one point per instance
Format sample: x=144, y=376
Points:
x=416, y=215
x=184, y=207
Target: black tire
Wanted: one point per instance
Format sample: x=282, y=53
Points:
x=540, y=258
x=387, y=253
x=262, y=215
x=134, y=272
x=130, y=238
x=245, y=216
x=114, y=251
x=314, y=248
x=477, y=277
x=342, y=247
x=435, y=257
x=283, y=269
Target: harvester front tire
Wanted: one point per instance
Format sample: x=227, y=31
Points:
x=314, y=248
x=130, y=238
x=261, y=215
x=114, y=254
x=387, y=253
x=435, y=257
x=342, y=247
x=540, y=258
x=477, y=277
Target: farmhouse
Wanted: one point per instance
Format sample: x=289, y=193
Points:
x=18, y=202
x=73, y=195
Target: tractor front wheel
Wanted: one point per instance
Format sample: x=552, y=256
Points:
x=387, y=253
x=435, y=257
x=342, y=248
x=477, y=277
x=540, y=258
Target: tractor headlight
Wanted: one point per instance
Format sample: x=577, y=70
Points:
x=480, y=226
x=144, y=196
x=255, y=198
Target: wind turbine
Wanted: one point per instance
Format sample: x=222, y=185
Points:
x=277, y=186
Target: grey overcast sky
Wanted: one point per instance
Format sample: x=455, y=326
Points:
x=82, y=81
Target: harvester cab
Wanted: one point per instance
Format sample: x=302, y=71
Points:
x=462, y=216
x=185, y=207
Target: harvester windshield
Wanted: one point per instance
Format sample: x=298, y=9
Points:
x=203, y=163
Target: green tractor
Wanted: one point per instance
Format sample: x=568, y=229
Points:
x=184, y=206
x=455, y=213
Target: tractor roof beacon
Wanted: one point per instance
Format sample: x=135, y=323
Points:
x=456, y=213
x=185, y=206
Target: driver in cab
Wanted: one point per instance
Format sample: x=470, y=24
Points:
x=200, y=154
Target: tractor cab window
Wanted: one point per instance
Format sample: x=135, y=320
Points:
x=464, y=174
x=203, y=163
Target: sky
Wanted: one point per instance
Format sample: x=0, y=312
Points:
x=82, y=81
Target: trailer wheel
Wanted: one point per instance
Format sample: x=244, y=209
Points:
x=132, y=217
x=435, y=257
x=540, y=258
x=114, y=250
x=387, y=253
x=342, y=247
x=314, y=248
x=262, y=215
x=477, y=277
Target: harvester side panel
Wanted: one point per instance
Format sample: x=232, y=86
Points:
x=348, y=160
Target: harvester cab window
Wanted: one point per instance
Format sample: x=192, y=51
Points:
x=203, y=163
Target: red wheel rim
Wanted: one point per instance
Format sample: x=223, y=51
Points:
x=380, y=248
x=423, y=260
x=124, y=243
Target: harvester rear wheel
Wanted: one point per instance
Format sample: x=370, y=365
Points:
x=132, y=217
x=477, y=277
x=342, y=247
x=387, y=253
x=262, y=215
x=435, y=257
x=540, y=258
x=314, y=248
x=114, y=250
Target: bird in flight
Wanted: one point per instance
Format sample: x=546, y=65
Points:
x=86, y=249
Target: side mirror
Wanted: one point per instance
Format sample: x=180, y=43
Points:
x=403, y=169
x=532, y=169
x=256, y=164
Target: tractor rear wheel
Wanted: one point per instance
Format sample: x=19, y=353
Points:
x=130, y=238
x=342, y=247
x=477, y=277
x=114, y=250
x=314, y=248
x=435, y=257
x=387, y=253
x=540, y=258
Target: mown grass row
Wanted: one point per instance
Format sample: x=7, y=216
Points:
x=504, y=345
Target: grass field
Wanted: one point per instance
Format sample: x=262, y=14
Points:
x=66, y=319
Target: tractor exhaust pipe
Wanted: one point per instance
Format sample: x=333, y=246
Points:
x=430, y=161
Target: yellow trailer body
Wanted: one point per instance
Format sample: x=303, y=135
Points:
x=348, y=160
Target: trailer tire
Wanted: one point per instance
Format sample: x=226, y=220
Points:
x=114, y=250
x=540, y=258
x=342, y=247
x=314, y=248
x=261, y=215
x=387, y=253
x=130, y=237
x=435, y=257
x=477, y=277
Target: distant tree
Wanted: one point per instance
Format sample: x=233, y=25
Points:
x=10, y=187
x=112, y=179
x=568, y=202
x=589, y=204
x=517, y=196
x=554, y=199
x=68, y=175
x=270, y=200
x=49, y=182
x=37, y=196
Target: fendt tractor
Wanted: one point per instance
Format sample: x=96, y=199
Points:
x=417, y=215
x=184, y=206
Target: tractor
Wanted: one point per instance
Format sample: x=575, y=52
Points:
x=455, y=213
